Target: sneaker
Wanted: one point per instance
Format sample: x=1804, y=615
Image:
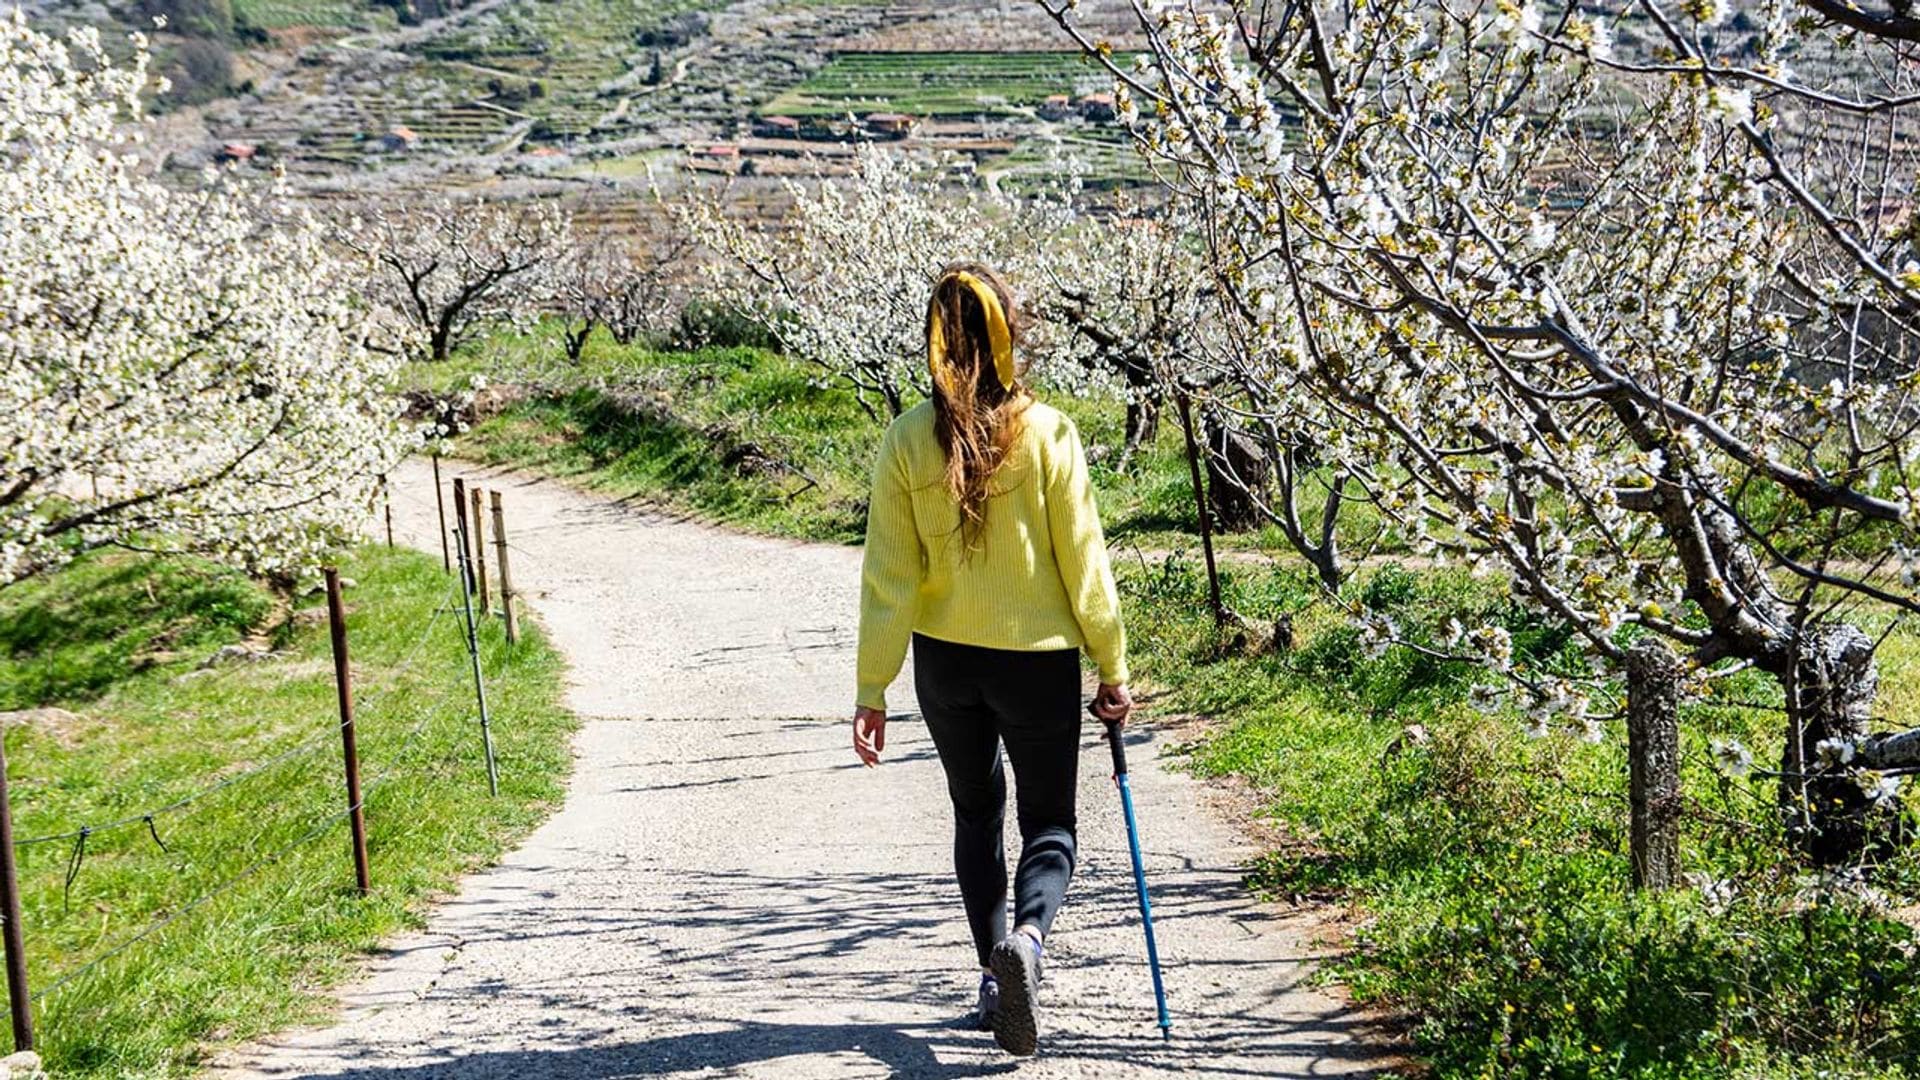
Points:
x=989, y=1007
x=1016, y=965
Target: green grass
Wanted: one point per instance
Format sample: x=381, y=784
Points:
x=117, y=642
x=716, y=435
x=1494, y=866
x=935, y=83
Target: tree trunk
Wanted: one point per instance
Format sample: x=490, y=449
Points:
x=1830, y=689
x=1237, y=475
x=1653, y=751
x=442, y=339
x=1143, y=425
x=575, y=341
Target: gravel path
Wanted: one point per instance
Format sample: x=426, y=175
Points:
x=726, y=893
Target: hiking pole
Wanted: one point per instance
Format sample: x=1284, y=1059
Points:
x=1139, y=870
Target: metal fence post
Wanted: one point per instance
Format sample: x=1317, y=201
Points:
x=18, y=996
x=473, y=653
x=349, y=748
x=506, y=574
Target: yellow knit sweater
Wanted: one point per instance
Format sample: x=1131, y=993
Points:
x=1038, y=580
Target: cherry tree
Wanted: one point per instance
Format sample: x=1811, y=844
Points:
x=1617, y=300
x=625, y=283
x=842, y=278
x=1123, y=292
x=179, y=370
x=450, y=266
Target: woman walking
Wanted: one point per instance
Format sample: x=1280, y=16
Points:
x=984, y=548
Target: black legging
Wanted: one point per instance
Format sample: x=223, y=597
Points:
x=973, y=699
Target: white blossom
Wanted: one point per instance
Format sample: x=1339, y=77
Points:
x=1832, y=753
x=179, y=369
x=1731, y=758
x=1734, y=103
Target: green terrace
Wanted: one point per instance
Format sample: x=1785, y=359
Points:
x=937, y=83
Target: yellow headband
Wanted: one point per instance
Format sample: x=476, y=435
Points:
x=998, y=336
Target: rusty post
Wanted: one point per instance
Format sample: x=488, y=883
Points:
x=460, y=525
x=343, y=681
x=506, y=574
x=440, y=504
x=1201, y=504
x=18, y=996
x=479, y=523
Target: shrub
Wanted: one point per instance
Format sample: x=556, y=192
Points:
x=705, y=324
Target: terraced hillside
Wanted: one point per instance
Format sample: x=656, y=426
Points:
x=600, y=90
x=481, y=81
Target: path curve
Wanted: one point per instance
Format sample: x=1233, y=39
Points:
x=725, y=893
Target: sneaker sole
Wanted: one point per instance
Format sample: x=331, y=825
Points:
x=1013, y=1026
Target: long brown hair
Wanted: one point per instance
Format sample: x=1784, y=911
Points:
x=975, y=418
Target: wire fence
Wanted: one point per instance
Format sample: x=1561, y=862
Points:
x=306, y=746
x=399, y=762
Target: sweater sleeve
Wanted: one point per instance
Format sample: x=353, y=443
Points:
x=889, y=579
x=1080, y=550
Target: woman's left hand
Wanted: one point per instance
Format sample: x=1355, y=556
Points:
x=869, y=734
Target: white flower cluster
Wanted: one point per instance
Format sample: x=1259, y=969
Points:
x=178, y=369
x=1548, y=312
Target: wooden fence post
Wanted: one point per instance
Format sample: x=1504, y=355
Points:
x=506, y=574
x=478, y=521
x=349, y=748
x=386, y=503
x=19, y=998
x=460, y=525
x=1653, y=751
x=440, y=504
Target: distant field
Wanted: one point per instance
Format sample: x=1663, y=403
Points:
x=282, y=14
x=936, y=83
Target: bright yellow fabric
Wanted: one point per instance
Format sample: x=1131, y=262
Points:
x=999, y=335
x=1039, y=579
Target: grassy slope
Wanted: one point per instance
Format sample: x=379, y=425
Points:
x=1492, y=865
x=116, y=640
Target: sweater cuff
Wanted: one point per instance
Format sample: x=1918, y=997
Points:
x=1115, y=673
x=871, y=697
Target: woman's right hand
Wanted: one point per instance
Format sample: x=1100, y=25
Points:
x=1113, y=704
x=869, y=734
